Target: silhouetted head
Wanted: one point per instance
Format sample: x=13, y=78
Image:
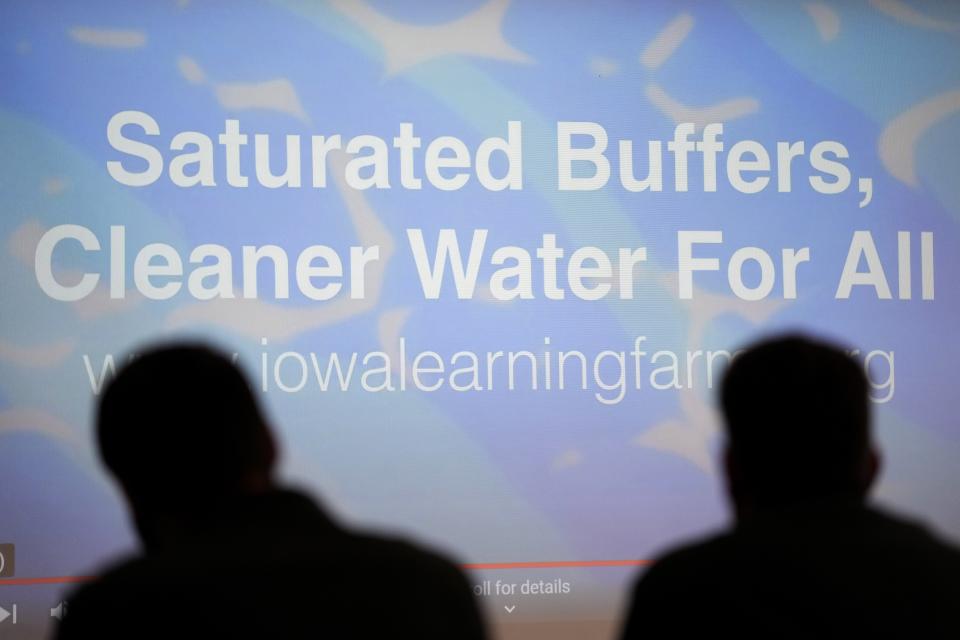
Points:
x=182, y=432
x=798, y=425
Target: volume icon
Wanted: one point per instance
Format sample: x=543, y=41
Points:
x=59, y=611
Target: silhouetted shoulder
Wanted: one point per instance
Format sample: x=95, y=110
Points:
x=279, y=568
x=430, y=588
x=397, y=553
x=860, y=571
x=663, y=594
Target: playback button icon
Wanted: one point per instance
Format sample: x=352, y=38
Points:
x=7, y=564
x=8, y=615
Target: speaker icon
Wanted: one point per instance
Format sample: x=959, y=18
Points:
x=59, y=611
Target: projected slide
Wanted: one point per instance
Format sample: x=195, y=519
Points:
x=484, y=262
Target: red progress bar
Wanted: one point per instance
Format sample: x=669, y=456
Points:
x=559, y=564
x=54, y=580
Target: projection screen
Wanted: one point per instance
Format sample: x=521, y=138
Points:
x=483, y=262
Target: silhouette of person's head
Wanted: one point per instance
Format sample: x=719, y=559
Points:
x=797, y=419
x=182, y=433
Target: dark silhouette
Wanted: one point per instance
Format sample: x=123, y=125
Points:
x=807, y=557
x=227, y=553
